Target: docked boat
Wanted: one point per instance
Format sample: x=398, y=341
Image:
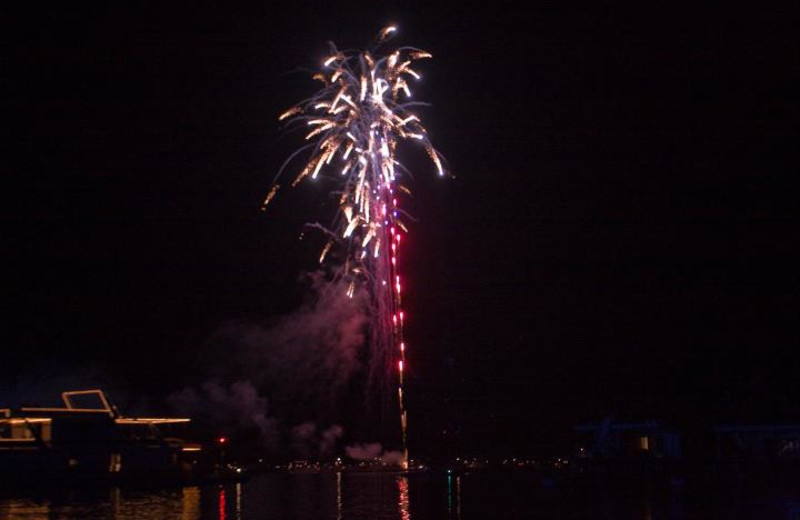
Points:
x=76, y=443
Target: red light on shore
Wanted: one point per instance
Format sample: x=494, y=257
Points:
x=222, y=440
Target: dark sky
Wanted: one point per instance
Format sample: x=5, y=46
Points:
x=619, y=239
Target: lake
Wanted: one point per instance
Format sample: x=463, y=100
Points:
x=492, y=495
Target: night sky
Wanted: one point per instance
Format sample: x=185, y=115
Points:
x=619, y=238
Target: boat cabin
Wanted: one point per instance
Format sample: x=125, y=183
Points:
x=88, y=437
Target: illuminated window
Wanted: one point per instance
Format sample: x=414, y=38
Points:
x=115, y=463
x=26, y=429
x=644, y=443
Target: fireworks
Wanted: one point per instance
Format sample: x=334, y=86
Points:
x=354, y=125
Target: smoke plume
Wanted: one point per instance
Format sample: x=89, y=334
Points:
x=373, y=451
x=308, y=441
x=283, y=378
x=234, y=408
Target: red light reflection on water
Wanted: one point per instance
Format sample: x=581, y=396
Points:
x=221, y=503
x=403, y=503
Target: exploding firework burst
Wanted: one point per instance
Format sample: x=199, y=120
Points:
x=354, y=125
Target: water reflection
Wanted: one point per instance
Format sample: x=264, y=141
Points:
x=458, y=497
x=222, y=503
x=338, y=495
x=227, y=510
x=426, y=496
x=190, y=507
x=453, y=511
x=183, y=503
x=403, y=502
x=112, y=503
x=24, y=509
x=238, y=510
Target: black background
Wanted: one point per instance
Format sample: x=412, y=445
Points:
x=619, y=238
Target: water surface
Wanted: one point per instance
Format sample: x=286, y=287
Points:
x=422, y=496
